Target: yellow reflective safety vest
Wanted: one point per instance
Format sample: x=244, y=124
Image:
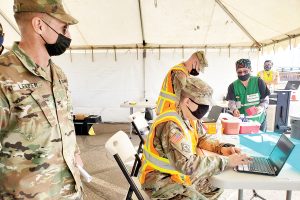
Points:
x=267, y=76
x=153, y=161
x=167, y=98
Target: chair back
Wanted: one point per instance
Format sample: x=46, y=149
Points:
x=120, y=146
x=139, y=123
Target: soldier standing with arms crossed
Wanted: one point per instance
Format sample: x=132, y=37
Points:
x=38, y=151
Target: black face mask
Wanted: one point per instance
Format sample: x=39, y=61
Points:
x=244, y=77
x=59, y=47
x=194, y=72
x=201, y=110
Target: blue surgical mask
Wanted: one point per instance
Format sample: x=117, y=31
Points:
x=1, y=40
x=1, y=46
x=267, y=67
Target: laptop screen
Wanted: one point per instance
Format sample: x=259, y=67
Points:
x=281, y=152
x=215, y=112
x=292, y=85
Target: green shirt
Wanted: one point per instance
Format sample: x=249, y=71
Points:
x=248, y=96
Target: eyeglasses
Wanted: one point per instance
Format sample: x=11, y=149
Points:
x=64, y=31
x=242, y=72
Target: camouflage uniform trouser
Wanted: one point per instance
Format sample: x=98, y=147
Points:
x=201, y=190
x=75, y=196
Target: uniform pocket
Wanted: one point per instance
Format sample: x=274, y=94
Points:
x=33, y=116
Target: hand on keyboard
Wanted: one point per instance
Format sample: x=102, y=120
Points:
x=238, y=159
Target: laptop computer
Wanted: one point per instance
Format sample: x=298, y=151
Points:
x=292, y=85
x=274, y=163
x=213, y=114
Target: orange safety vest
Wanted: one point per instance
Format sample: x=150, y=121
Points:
x=153, y=161
x=167, y=98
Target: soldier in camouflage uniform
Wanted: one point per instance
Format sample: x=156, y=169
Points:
x=175, y=80
x=38, y=151
x=1, y=39
x=175, y=165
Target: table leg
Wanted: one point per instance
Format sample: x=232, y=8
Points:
x=130, y=129
x=131, y=110
x=240, y=194
x=288, y=195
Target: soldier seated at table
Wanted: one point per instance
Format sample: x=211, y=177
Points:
x=172, y=168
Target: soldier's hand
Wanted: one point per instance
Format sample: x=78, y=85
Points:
x=259, y=109
x=238, y=159
x=236, y=113
x=78, y=160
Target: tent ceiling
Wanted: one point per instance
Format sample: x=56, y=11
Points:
x=173, y=23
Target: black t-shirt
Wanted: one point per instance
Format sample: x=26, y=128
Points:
x=263, y=91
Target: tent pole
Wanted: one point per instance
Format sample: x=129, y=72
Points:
x=141, y=22
x=9, y=22
x=144, y=74
x=144, y=50
x=238, y=23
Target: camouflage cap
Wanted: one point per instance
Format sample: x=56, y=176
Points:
x=202, y=60
x=53, y=8
x=243, y=63
x=198, y=91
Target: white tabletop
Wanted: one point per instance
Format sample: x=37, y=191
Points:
x=288, y=178
x=134, y=104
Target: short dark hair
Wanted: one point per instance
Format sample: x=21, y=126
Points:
x=268, y=61
x=243, y=63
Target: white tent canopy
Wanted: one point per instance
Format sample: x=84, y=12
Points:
x=174, y=23
x=112, y=68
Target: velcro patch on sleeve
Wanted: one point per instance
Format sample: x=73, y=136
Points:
x=176, y=138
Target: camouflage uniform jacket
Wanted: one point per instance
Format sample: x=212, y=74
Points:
x=179, y=82
x=170, y=143
x=37, y=137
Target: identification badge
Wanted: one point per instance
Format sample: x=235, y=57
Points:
x=252, y=97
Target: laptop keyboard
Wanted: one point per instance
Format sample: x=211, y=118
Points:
x=258, y=164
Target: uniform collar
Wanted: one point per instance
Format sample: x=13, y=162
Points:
x=186, y=121
x=28, y=62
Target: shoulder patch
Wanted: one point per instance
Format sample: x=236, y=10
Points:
x=176, y=138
